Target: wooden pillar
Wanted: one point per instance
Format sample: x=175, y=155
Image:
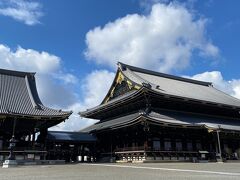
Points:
x=219, y=145
x=146, y=143
x=14, y=126
x=33, y=139
x=82, y=153
x=146, y=131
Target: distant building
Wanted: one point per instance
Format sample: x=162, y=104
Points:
x=22, y=115
x=148, y=116
x=70, y=146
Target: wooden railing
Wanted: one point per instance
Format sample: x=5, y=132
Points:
x=137, y=148
x=142, y=148
x=24, y=150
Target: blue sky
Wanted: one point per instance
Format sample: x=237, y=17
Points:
x=74, y=45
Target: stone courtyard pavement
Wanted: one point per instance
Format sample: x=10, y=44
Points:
x=123, y=171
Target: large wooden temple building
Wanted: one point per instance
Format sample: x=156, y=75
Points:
x=22, y=115
x=148, y=116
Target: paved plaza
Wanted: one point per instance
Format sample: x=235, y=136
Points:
x=124, y=171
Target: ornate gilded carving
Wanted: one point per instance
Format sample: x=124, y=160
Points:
x=121, y=86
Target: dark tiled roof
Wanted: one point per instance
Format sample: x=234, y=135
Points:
x=113, y=102
x=197, y=120
x=170, y=118
x=178, y=86
x=113, y=123
x=61, y=136
x=169, y=85
x=19, y=96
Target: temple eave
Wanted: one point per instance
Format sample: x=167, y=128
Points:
x=168, y=119
x=119, y=102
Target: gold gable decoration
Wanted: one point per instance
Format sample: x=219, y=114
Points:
x=120, y=78
x=119, y=81
x=210, y=130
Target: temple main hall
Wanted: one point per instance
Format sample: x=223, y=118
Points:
x=151, y=116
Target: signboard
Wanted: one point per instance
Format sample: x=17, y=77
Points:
x=30, y=156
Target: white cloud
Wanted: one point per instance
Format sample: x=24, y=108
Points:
x=54, y=92
x=94, y=88
x=231, y=87
x=51, y=80
x=28, y=60
x=74, y=123
x=66, y=77
x=57, y=88
x=24, y=11
x=163, y=40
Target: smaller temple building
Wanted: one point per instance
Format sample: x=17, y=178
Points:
x=70, y=146
x=22, y=115
x=151, y=116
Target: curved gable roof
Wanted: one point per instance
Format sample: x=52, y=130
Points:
x=19, y=96
x=163, y=84
x=178, y=86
